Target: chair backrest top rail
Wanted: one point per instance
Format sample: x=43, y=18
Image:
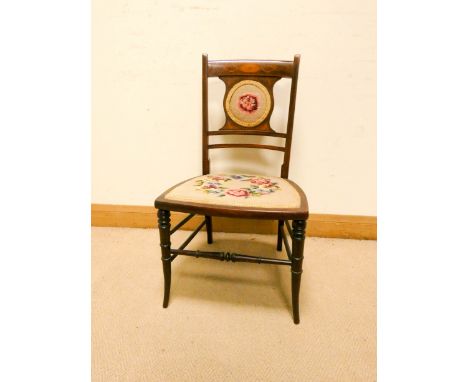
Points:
x=248, y=132
x=245, y=145
x=263, y=68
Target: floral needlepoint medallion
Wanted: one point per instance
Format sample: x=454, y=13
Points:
x=248, y=103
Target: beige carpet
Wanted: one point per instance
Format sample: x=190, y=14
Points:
x=231, y=322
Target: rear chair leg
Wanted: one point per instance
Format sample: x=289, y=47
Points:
x=164, y=221
x=298, y=230
x=209, y=229
x=279, y=242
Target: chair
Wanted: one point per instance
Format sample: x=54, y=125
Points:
x=248, y=105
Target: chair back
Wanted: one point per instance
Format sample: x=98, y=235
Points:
x=249, y=102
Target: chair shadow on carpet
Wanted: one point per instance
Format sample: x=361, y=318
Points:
x=233, y=283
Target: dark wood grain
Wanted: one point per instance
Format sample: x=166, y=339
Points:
x=297, y=257
x=245, y=145
x=279, y=241
x=164, y=223
x=269, y=68
x=228, y=256
x=292, y=108
x=247, y=132
x=205, y=160
x=286, y=243
x=209, y=229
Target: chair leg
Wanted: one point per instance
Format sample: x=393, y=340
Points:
x=164, y=221
x=279, y=241
x=298, y=228
x=209, y=229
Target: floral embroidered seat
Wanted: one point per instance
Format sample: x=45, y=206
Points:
x=237, y=191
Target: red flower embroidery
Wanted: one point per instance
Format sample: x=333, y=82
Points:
x=248, y=102
x=237, y=192
x=260, y=181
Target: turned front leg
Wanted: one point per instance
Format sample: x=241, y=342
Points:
x=164, y=221
x=298, y=230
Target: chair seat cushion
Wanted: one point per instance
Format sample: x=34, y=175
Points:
x=237, y=190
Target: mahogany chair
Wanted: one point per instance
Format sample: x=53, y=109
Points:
x=248, y=105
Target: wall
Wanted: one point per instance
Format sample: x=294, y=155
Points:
x=146, y=62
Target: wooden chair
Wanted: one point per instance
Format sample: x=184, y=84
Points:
x=248, y=105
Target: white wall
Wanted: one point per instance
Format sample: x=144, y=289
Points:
x=147, y=95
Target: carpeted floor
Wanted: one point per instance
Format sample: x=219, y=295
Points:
x=231, y=321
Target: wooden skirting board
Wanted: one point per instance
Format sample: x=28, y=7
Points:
x=319, y=225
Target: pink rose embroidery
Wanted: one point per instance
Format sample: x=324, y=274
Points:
x=248, y=102
x=237, y=192
x=260, y=181
x=210, y=186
